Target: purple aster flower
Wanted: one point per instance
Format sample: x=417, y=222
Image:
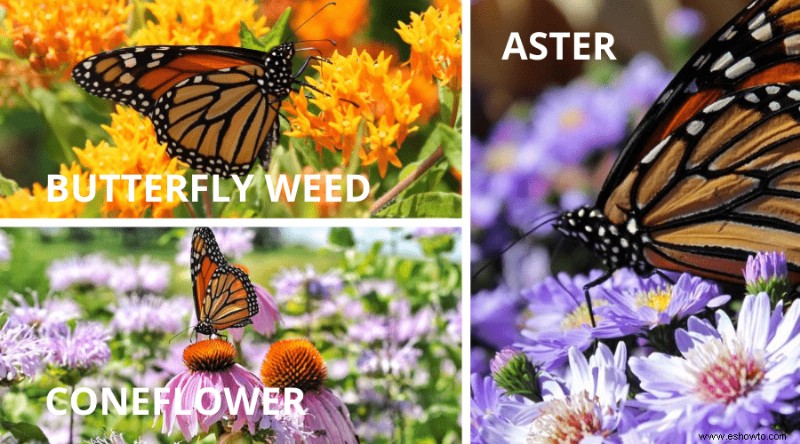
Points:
x=84, y=349
x=685, y=23
x=291, y=282
x=210, y=364
x=590, y=407
x=150, y=313
x=525, y=265
x=574, y=121
x=727, y=379
x=484, y=410
x=91, y=271
x=20, y=353
x=558, y=318
x=267, y=318
x=642, y=82
x=234, y=242
x=42, y=317
x=765, y=266
x=5, y=247
x=495, y=316
x=655, y=303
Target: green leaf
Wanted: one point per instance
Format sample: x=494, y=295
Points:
x=24, y=432
x=432, y=204
x=445, y=103
x=7, y=186
x=450, y=140
x=342, y=237
x=248, y=39
x=425, y=183
x=279, y=32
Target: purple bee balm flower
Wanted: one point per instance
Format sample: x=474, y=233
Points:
x=685, y=23
x=150, y=313
x=41, y=316
x=234, y=242
x=5, y=247
x=267, y=318
x=20, y=353
x=435, y=231
x=389, y=359
x=84, y=349
x=210, y=365
x=727, y=379
x=291, y=282
x=654, y=303
x=93, y=271
x=401, y=327
x=590, y=407
x=764, y=267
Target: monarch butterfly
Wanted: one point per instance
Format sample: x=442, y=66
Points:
x=712, y=172
x=224, y=297
x=215, y=107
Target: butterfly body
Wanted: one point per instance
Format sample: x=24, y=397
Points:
x=711, y=175
x=224, y=297
x=215, y=107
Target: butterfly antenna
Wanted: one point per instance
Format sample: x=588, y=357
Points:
x=313, y=15
x=178, y=334
x=550, y=218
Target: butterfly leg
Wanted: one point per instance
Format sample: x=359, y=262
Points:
x=588, y=287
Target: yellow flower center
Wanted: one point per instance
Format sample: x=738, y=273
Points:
x=501, y=158
x=567, y=420
x=580, y=316
x=211, y=355
x=293, y=363
x=658, y=300
x=572, y=119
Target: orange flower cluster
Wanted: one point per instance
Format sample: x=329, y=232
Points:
x=135, y=150
x=363, y=103
x=435, y=39
x=33, y=203
x=339, y=23
x=189, y=22
x=16, y=76
x=54, y=34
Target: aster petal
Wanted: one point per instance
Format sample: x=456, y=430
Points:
x=580, y=374
x=753, y=322
x=788, y=328
x=661, y=374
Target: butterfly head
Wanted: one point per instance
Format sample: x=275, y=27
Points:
x=618, y=246
x=278, y=72
x=205, y=328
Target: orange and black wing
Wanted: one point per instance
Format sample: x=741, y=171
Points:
x=760, y=46
x=138, y=76
x=722, y=186
x=205, y=259
x=219, y=121
x=230, y=299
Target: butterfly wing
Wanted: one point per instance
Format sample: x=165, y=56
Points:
x=723, y=186
x=140, y=75
x=230, y=299
x=205, y=260
x=761, y=45
x=218, y=121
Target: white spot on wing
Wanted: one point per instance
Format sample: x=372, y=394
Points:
x=718, y=105
x=694, y=127
x=723, y=61
x=774, y=106
x=772, y=90
x=651, y=156
x=739, y=68
x=791, y=44
x=763, y=33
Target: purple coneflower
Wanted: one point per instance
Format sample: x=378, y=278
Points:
x=727, y=378
x=210, y=364
x=297, y=363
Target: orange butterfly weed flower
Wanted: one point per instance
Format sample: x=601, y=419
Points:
x=189, y=22
x=133, y=150
x=435, y=40
x=54, y=34
x=381, y=93
x=17, y=76
x=33, y=203
x=339, y=22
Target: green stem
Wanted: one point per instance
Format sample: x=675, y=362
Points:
x=71, y=416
